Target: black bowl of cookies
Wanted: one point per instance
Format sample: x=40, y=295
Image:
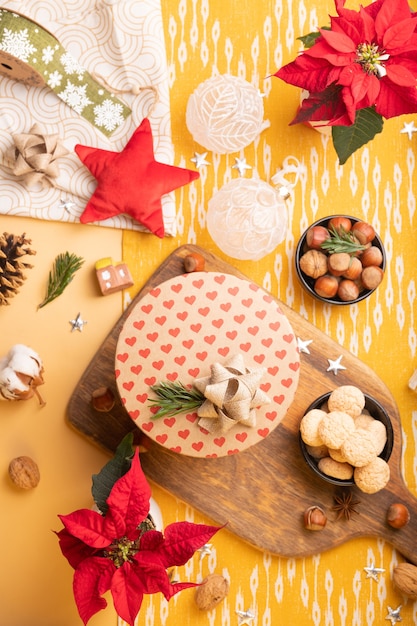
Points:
x=346, y=438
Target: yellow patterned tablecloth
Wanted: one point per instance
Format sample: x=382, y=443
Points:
x=251, y=39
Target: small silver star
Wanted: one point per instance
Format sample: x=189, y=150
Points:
x=78, y=323
x=303, y=345
x=241, y=166
x=373, y=572
x=394, y=615
x=409, y=129
x=205, y=550
x=335, y=366
x=200, y=159
x=245, y=617
x=67, y=205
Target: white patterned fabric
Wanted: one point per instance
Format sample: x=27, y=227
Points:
x=121, y=44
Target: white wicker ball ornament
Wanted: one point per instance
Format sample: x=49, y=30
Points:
x=247, y=218
x=225, y=114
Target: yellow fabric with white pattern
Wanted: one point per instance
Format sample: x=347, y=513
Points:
x=252, y=39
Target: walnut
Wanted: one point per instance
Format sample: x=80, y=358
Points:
x=404, y=578
x=24, y=472
x=211, y=592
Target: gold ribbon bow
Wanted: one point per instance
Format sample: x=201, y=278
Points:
x=33, y=157
x=232, y=394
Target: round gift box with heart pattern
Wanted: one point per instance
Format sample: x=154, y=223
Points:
x=185, y=325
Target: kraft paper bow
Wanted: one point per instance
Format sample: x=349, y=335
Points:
x=33, y=157
x=232, y=394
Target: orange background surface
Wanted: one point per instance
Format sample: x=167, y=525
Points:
x=250, y=39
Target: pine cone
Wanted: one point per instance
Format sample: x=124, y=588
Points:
x=12, y=249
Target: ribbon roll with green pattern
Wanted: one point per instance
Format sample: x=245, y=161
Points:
x=30, y=54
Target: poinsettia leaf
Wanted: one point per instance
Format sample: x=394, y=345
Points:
x=92, y=578
x=310, y=39
x=127, y=594
x=128, y=502
x=118, y=465
x=88, y=526
x=182, y=539
x=348, y=139
x=321, y=107
x=73, y=548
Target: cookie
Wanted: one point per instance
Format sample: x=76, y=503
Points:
x=347, y=398
x=309, y=427
x=379, y=432
x=372, y=477
x=317, y=452
x=335, y=427
x=330, y=467
x=359, y=448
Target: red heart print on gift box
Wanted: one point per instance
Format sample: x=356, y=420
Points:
x=185, y=325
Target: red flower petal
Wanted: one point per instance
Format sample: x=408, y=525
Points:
x=398, y=35
x=88, y=526
x=129, y=501
x=391, y=12
x=308, y=73
x=73, y=549
x=127, y=594
x=92, y=578
x=338, y=41
x=394, y=100
x=182, y=539
x=400, y=75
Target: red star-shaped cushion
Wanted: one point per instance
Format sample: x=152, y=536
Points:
x=131, y=181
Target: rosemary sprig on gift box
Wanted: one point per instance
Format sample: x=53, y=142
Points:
x=173, y=398
x=358, y=71
x=117, y=548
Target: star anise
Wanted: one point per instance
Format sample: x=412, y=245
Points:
x=345, y=505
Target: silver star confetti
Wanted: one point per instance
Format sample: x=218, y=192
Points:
x=205, y=550
x=241, y=166
x=78, y=323
x=67, y=205
x=394, y=615
x=373, y=572
x=409, y=129
x=245, y=617
x=303, y=345
x=200, y=159
x=335, y=366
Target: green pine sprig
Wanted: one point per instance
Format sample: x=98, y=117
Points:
x=341, y=241
x=174, y=398
x=62, y=273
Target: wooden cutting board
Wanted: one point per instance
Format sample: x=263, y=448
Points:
x=260, y=493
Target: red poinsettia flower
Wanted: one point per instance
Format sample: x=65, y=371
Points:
x=367, y=57
x=119, y=552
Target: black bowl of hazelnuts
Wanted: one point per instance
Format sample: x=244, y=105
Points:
x=340, y=259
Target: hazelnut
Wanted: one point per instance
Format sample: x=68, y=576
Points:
x=314, y=518
x=211, y=592
x=340, y=223
x=398, y=515
x=24, y=472
x=102, y=399
x=316, y=235
x=371, y=256
x=348, y=290
x=372, y=276
x=194, y=262
x=364, y=232
x=326, y=286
